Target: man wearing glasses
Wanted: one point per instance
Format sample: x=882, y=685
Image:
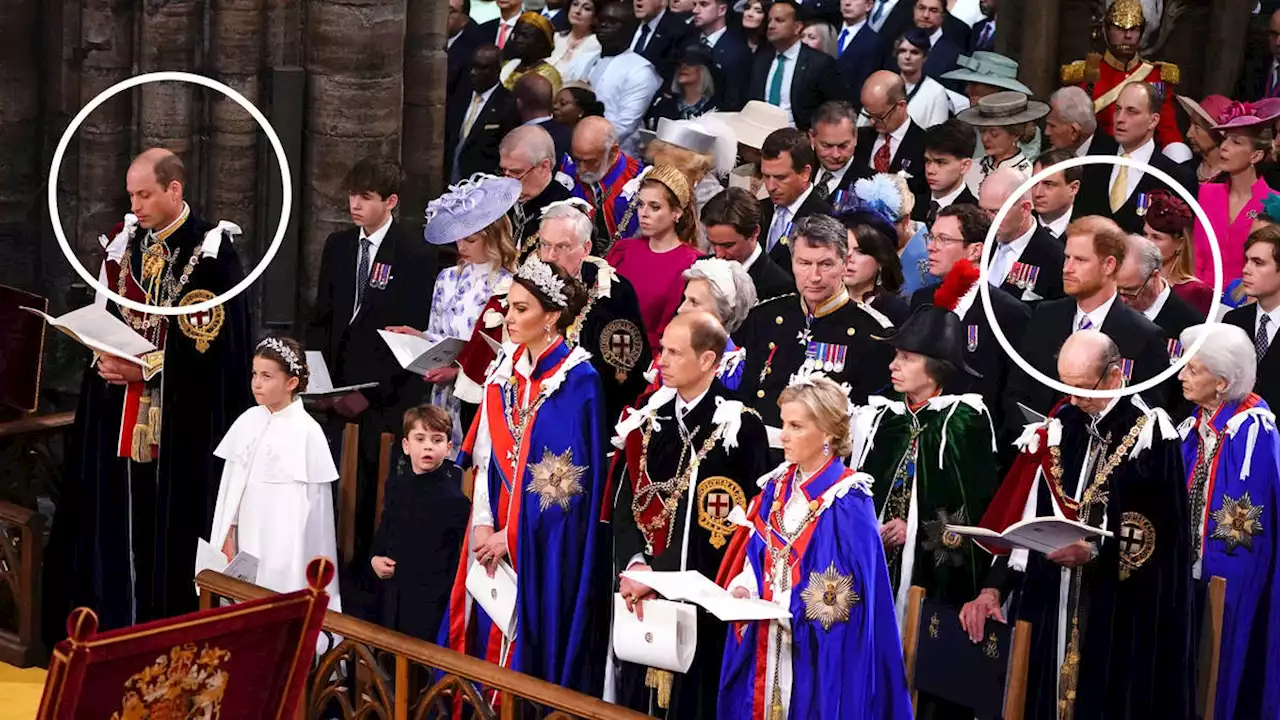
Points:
x=1096, y=248
x=955, y=243
x=528, y=154
x=888, y=141
x=1143, y=288
x=1027, y=261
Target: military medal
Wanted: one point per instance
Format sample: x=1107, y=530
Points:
x=785, y=238
x=1144, y=201
x=973, y=338
x=1175, y=350
x=1126, y=368
x=380, y=276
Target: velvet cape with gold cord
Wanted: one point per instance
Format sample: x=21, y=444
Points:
x=204, y=388
x=1238, y=524
x=949, y=480
x=551, y=514
x=846, y=654
x=1135, y=657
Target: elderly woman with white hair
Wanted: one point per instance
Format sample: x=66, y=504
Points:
x=724, y=289
x=1231, y=451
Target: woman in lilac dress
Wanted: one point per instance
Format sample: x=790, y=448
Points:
x=655, y=261
x=1234, y=205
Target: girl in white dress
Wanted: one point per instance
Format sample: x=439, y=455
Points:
x=274, y=501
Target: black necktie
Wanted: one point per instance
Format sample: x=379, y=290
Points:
x=362, y=274
x=934, y=209
x=820, y=188
x=640, y=41
x=602, y=229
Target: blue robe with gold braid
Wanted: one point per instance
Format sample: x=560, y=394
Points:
x=846, y=654
x=1233, y=467
x=550, y=514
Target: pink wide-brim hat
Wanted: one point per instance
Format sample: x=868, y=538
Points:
x=1238, y=116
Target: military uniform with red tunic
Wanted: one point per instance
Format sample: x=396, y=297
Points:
x=1105, y=75
x=141, y=478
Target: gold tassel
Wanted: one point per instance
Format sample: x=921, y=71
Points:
x=153, y=419
x=141, y=439
x=660, y=680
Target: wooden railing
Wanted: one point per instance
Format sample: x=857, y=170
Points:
x=21, y=538
x=374, y=672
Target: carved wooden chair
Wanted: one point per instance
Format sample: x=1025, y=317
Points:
x=1210, y=647
x=247, y=661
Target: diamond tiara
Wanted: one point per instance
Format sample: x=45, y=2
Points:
x=541, y=275
x=295, y=365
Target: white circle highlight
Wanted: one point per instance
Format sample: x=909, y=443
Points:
x=985, y=289
x=286, y=178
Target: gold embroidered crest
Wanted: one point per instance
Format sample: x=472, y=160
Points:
x=186, y=683
x=1137, y=542
x=829, y=597
x=620, y=346
x=933, y=626
x=717, y=496
x=203, y=326
x=556, y=479
x=1237, y=522
x=992, y=648
x=945, y=545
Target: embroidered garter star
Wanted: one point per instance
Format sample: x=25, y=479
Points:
x=1237, y=521
x=828, y=597
x=556, y=479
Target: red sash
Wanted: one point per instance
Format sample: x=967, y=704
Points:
x=656, y=537
x=129, y=415
x=1249, y=402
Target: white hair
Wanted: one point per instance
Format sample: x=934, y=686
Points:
x=1228, y=354
x=1146, y=253
x=532, y=142
x=730, y=315
x=706, y=84
x=578, y=221
x=1075, y=106
x=1001, y=183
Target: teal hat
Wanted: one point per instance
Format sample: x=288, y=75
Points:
x=988, y=68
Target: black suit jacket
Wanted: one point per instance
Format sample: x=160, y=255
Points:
x=1267, y=383
x=861, y=57
x=1103, y=144
x=560, y=21
x=975, y=38
x=561, y=135
x=902, y=17
x=814, y=82
x=781, y=253
x=663, y=44
x=942, y=59
x=1043, y=252
x=909, y=158
x=352, y=348
x=1140, y=341
x=732, y=71
x=480, y=147
x=984, y=354
x=1173, y=318
x=1095, y=191
x=769, y=279
x=460, y=52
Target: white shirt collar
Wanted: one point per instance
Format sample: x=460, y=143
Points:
x=901, y=132
x=1059, y=226
x=376, y=238
x=1143, y=153
x=1158, y=305
x=1084, y=147
x=837, y=175
x=454, y=37
x=966, y=301
x=1023, y=240
x=714, y=37
x=854, y=29
x=1271, y=325
x=755, y=254
x=1098, y=316
x=653, y=24
x=792, y=52
x=512, y=21
x=794, y=207
x=681, y=404
x=950, y=198
x=537, y=120
x=484, y=96
x=935, y=37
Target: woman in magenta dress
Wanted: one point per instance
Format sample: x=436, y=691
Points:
x=656, y=261
x=1234, y=205
x=1169, y=223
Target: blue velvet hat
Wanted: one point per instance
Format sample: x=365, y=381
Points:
x=469, y=207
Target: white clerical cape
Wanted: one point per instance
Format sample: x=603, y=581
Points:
x=275, y=490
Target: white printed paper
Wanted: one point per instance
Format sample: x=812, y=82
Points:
x=320, y=383
x=242, y=567
x=1044, y=534
x=666, y=639
x=496, y=595
x=698, y=589
x=99, y=330
x=417, y=355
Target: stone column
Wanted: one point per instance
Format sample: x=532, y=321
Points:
x=425, y=65
x=20, y=159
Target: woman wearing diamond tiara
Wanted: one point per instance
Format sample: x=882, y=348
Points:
x=810, y=543
x=537, y=449
x=275, y=501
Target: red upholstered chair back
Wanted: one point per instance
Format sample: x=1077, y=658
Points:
x=247, y=661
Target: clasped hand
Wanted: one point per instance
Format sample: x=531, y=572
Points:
x=490, y=548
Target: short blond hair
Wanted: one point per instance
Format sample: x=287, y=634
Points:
x=499, y=246
x=829, y=407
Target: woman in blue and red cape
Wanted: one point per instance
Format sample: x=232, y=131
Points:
x=1232, y=455
x=537, y=448
x=811, y=544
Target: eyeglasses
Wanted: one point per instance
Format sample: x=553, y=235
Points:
x=877, y=118
x=514, y=175
x=930, y=239
x=1133, y=294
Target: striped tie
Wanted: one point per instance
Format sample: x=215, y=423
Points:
x=1262, y=341
x=1085, y=323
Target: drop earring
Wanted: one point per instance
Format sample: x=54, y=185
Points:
x=826, y=448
